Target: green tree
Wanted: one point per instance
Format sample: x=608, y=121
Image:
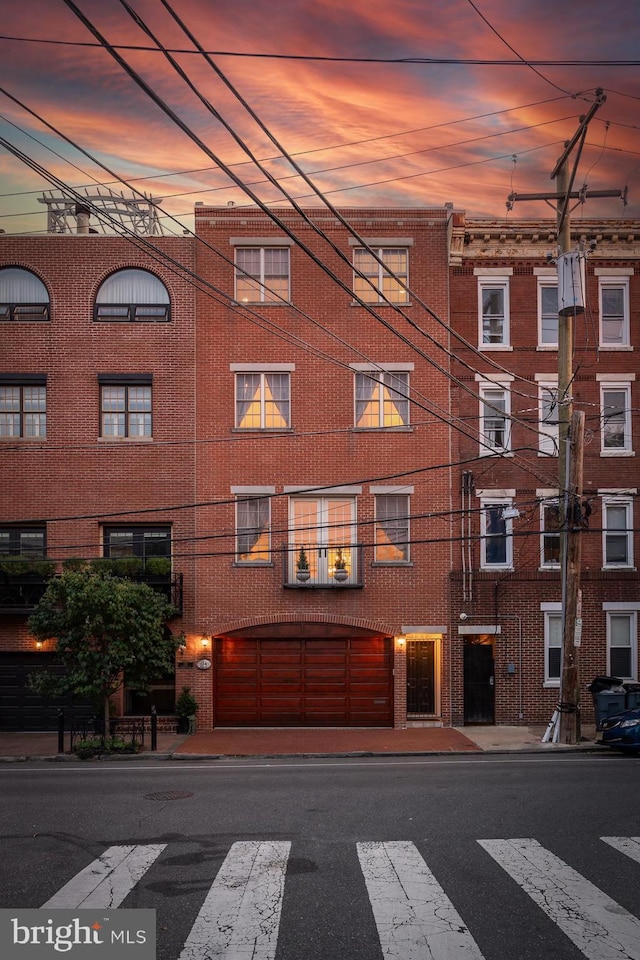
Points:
x=105, y=628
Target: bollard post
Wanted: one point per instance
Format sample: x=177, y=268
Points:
x=154, y=729
x=60, y=730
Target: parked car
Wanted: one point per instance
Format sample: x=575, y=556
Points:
x=622, y=731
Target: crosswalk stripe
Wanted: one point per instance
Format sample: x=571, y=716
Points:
x=107, y=880
x=414, y=917
x=627, y=845
x=596, y=924
x=240, y=917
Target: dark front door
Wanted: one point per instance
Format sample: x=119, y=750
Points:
x=478, y=683
x=421, y=677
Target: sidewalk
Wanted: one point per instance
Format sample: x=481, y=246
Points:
x=312, y=742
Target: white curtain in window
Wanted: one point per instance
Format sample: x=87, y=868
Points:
x=132, y=286
x=21, y=286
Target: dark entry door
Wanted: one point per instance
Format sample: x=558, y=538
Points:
x=420, y=677
x=478, y=683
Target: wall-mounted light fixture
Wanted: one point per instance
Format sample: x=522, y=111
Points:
x=400, y=641
x=204, y=642
x=39, y=644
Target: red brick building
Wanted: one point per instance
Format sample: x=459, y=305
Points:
x=506, y=582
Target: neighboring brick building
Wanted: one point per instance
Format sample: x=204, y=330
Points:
x=506, y=582
x=97, y=422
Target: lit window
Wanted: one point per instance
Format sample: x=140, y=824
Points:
x=495, y=536
x=617, y=532
x=262, y=274
x=622, y=645
x=392, y=528
x=614, y=313
x=262, y=401
x=494, y=416
x=550, y=526
x=23, y=408
x=547, y=313
x=252, y=530
x=132, y=296
x=23, y=297
x=549, y=419
x=125, y=409
x=493, y=296
x=379, y=285
x=382, y=399
x=616, y=418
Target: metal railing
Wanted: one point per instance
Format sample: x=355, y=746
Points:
x=327, y=566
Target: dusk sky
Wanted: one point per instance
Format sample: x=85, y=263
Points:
x=368, y=131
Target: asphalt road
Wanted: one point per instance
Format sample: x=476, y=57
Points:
x=355, y=859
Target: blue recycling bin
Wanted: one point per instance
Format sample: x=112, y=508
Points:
x=632, y=695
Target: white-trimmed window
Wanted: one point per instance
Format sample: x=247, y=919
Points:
x=379, y=285
x=552, y=643
x=263, y=400
x=496, y=541
x=495, y=425
x=392, y=528
x=262, y=274
x=23, y=406
x=125, y=406
x=550, y=526
x=23, y=296
x=493, y=312
x=622, y=642
x=547, y=313
x=615, y=434
x=614, y=312
x=253, y=533
x=132, y=296
x=617, y=532
x=548, y=418
x=382, y=399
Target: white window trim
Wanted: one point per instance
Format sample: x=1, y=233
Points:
x=615, y=281
x=549, y=609
x=393, y=563
x=502, y=281
x=544, y=281
x=547, y=501
x=381, y=370
x=625, y=609
x=508, y=564
x=486, y=450
x=549, y=383
x=261, y=280
x=627, y=502
x=263, y=372
x=614, y=383
x=258, y=563
x=377, y=249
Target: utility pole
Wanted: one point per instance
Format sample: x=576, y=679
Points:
x=570, y=428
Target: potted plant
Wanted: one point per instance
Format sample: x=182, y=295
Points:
x=340, y=572
x=302, y=566
x=186, y=708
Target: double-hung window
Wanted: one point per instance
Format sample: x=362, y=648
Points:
x=615, y=432
x=547, y=313
x=382, y=398
x=253, y=543
x=125, y=406
x=392, y=528
x=23, y=406
x=622, y=640
x=262, y=274
x=263, y=396
x=381, y=281
x=550, y=526
x=614, y=312
x=495, y=420
x=548, y=418
x=132, y=296
x=493, y=312
x=617, y=531
x=26, y=542
x=552, y=643
x=496, y=541
x=23, y=296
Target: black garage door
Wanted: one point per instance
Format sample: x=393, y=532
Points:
x=20, y=708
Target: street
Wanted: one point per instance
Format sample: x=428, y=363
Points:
x=489, y=857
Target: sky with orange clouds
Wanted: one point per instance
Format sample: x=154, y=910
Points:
x=495, y=89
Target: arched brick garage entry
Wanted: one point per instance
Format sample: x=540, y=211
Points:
x=303, y=674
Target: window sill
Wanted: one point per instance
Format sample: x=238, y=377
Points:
x=22, y=439
x=617, y=453
x=547, y=348
x=381, y=303
x=404, y=429
x=547, y=456
x=263, y=303
x=610, y=568
x=125, y=439
x=261, y=429
x=551, y=685
x=253, y=564
x=403, y=564
x=492, y=347
x=495, y=453
x=550, y=568
x=616, y=348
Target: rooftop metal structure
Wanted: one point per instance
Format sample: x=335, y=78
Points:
x=101, y=211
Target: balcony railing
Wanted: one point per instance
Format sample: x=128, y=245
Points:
x=327, y=567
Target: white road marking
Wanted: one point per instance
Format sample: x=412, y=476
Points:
x=108, y=880
x=414, y=917
x=240, y=917
x=597, y=925
x=627, y=845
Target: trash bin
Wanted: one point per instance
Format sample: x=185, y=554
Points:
x=632, y=695
x=609, y=697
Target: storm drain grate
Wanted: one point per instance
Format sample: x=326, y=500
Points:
x=169, y=795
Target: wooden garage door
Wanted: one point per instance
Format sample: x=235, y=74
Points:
x=304, y=682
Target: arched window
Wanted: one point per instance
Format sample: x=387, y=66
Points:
x=132, y=295
x=22, y=295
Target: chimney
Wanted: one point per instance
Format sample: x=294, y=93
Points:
x=82, y=218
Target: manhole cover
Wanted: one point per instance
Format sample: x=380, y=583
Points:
x=169, y=795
